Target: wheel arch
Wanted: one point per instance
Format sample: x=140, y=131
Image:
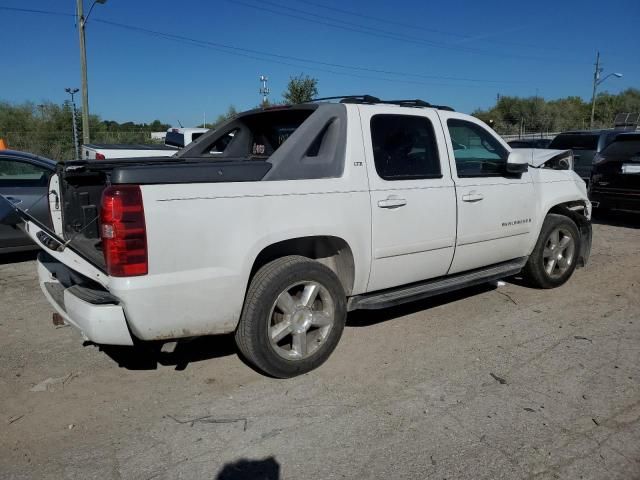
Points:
x=580, y=212
x=331, y=251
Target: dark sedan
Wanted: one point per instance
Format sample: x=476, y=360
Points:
x=24, y=180
x=615, y=180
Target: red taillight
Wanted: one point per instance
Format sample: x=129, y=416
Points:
x=100, y=156
x=123, y=231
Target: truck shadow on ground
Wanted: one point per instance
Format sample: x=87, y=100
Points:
x=150, y=357
x=617, y=218
x=18, y=257
x=245, y=469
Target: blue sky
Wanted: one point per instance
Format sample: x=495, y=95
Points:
x=458, y=53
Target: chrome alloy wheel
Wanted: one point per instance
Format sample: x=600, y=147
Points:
x=300, y=320
x=558, y=252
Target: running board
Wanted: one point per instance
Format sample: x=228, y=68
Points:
x=416, y=291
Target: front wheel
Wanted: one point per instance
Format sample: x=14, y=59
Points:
x=554, y=257
x=293, y=317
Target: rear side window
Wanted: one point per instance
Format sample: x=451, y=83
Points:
x=477, y=152
x=624, y=147
x=574, y=141
x=22, y=174
x=404, y=147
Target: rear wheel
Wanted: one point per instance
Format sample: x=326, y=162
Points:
x=554, y=257
x=293, y=317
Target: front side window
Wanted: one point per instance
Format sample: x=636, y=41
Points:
x=404, y=147
x=477, y=152
x=21, y=174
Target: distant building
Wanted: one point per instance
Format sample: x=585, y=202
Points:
x=158, y=135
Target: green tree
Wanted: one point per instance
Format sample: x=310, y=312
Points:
x=300, y=89
x=510, y=115
x=223, y=117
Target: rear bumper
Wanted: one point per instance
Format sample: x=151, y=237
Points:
x=97, y=315
x=615, y=199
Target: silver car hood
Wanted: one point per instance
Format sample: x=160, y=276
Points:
x=540, y=156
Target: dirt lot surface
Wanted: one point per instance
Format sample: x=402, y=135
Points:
x=489, y=383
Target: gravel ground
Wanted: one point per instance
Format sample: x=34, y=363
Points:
x=488, y=383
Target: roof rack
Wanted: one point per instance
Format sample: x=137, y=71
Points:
x=370, y=99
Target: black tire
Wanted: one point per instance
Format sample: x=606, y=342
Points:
x=534, y=272
x=253, y=336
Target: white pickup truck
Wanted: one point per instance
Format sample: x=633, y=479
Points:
x=282, y=220
x=175, y=139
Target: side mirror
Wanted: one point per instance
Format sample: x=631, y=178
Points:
x=518, y=161
x=8, y=213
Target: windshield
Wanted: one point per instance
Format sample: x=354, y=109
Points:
x=574, y=141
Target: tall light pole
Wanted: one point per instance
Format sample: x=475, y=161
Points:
x=76, y=147
x=82, y=22
x=597, y=81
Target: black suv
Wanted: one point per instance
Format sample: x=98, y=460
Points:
x=615, y=180
x=585, y=145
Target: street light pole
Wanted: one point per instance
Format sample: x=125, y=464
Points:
x=82, y=22
x=596, y=77
x=597, y=81
x=76, y=147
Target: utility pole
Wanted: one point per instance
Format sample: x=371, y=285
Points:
x=82, y=22
x=264, y=90
x=596, y=77
x=597, y=81
x=83, y=73
x=76, y=147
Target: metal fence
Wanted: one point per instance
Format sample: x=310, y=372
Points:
x=529, y=136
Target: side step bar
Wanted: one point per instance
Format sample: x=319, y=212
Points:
x=416, y=291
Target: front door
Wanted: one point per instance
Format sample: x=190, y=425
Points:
x=496, y=210
x=25, y=185
x=413, y=205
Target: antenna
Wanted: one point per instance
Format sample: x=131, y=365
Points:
x=264, y=90
x=180, y=124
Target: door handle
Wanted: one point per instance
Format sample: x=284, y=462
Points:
x=392, y=202
x=14, y=200
x=472, y=197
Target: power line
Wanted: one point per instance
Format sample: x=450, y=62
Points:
x=233, y=48
x=33, y=10
x=383, y=20
x=213, y=46
x=421, y=28
x=274, y=55
x=358, y=28
x=277, y=58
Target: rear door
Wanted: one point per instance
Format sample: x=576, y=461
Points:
x=495, y=210
x=413, y=206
